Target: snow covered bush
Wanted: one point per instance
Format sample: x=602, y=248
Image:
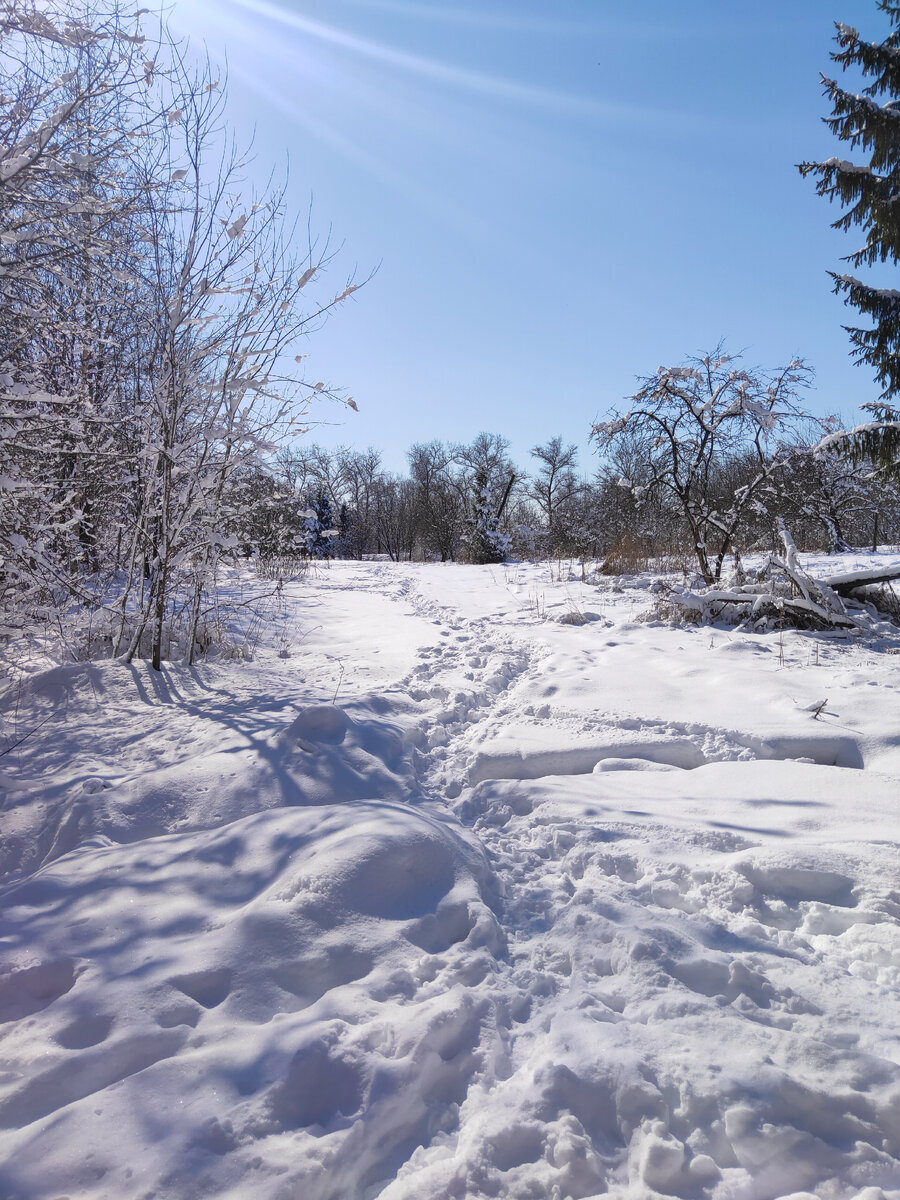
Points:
x=151, y=307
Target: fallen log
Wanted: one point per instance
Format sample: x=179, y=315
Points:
x=848, y=582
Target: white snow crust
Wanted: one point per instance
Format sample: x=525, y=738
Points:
x=485, y=888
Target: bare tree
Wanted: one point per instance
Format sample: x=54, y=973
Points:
x=394, y=516
x=555, y=487
x=226, y=308
x=687, y=422
x=440, y=504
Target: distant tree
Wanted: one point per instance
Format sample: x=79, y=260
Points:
x=485, y=479
x=582, y=523
x=320, y=530
x=439, y=504
x=868, y=191
x=555, y=487
x=487, y=542
x=687, y=423
x=362, y=474
x=393, y=516
x=345, y=524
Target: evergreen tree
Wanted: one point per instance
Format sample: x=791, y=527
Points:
x=319, y=526
x=345, y=522
x=869, y=120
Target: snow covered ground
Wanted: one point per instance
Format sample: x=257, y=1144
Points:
x=439, y=896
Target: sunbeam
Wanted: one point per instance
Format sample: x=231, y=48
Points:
x=375, y=165
x=506, y=21
x=439, y=72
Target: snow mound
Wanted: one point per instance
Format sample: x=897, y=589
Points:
x=187, y=763
x=321, y=723
x=631, y=764
x=522, y=751
x=271, y=981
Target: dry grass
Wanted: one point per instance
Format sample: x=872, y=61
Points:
x=632, y=554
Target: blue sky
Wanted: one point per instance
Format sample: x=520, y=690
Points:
x=558, y=197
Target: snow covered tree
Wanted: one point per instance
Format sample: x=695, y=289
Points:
x=869, y=120
x=487, y=544
x=687, y=424
x=486, y=479
x=150, y=309
x=225, y=305
x=829, y=501
x=70, y=82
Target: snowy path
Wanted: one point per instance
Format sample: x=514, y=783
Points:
x=534, y=910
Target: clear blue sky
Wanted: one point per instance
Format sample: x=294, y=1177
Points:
x=560, y=195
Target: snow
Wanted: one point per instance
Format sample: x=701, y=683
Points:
x=444, y=893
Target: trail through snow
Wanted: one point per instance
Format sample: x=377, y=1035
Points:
x=469, y=884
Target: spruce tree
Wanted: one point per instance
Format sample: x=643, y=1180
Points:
x=870, y=121
x=345, y=522
x=321, y=532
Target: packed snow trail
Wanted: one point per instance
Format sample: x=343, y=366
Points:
x=456, y=899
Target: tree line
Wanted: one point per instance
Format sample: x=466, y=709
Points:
x=705, y=462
